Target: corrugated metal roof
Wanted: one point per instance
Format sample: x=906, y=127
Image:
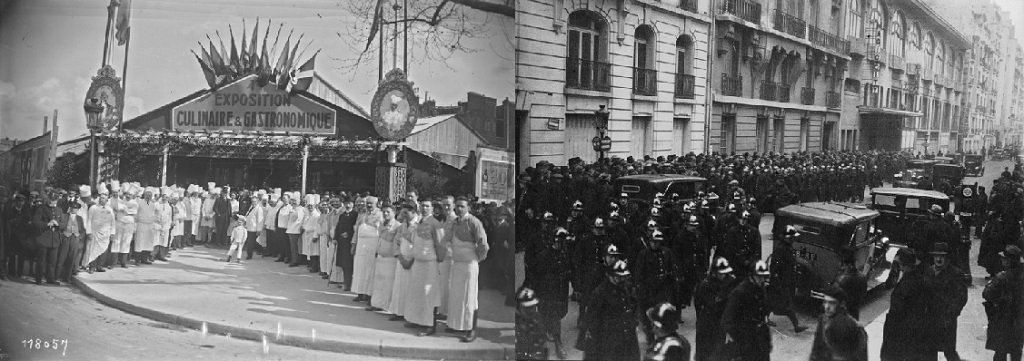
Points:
x=424, y=123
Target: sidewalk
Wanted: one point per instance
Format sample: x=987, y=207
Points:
x=287, y=305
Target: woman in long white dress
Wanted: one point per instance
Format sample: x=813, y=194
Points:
x=403, y=252
x=424, y=289
x=365, y=246
x=384, y=270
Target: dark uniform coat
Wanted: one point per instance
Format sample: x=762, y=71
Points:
x=910, y=314
x=855, y=285
x=820, y=350
x=668, y=348
x=1003, y=307
x=950, y=291
x=709, y=300
x=744, y=320
x=611, y=325
x=531, y=339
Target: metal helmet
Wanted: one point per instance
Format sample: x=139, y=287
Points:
x=744, y=215
x=656, y=203
x=731, y=208
x=561, y=232
x=659, y=195
x=652, y=224
x=791, y=231
x=694, y=220
x=657, y=235
x=527, y=297
x=722, y=265
x=620, y=268
x=655, y=212
x=548, y=216
x=615, y=215
x=598, y=222
x=577, y=206
x=761, y=269
x=612, y=249
x=663, y=315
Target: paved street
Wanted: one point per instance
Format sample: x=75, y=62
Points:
x=94, y=331
x=257, y=298
x=790, y=346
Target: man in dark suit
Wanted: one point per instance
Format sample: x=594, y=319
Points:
x=221, y=217
x=72, y=230
x=46, y=223
x=343, y=233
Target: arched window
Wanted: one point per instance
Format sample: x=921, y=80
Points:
x=915, y=36
x=644, y=74
x=940, y=65
x=929, y=49
x=684, y=67
x=854, y=19
x=876, y=29
x=897, y=35
x=586, y=52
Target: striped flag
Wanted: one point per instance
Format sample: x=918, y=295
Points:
x=234, y=65
x=302, y=77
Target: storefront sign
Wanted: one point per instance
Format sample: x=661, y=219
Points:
x=244, y=106
x=494, y=175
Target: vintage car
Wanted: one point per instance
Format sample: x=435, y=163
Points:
x=918, y=174
x=974, y=165
x=900, y=208
x=827, y=229
x=642, y=188
x=946, y=178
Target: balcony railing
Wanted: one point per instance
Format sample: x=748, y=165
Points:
x=645, y=81
x=807, y=96
x=827, y=40
x=896, y=62
x=684, y=86
x=587, y=75
x=790, y=24
x=732, y=85
x=832, y=99
x=774, y=91
x=688, y=5
x=745, y=9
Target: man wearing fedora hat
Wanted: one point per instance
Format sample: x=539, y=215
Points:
x=951, y=296
x=903, y=336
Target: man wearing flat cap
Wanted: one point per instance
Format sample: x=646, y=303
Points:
x=950, y=298
x=1002, y=302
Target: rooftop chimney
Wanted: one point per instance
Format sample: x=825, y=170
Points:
x=46, y=123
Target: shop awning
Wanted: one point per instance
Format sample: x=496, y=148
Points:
x=887, y=111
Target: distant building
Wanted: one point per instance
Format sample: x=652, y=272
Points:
x=482, y=114
x=26, y=163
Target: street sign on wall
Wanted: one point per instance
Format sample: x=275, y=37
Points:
x=244, y=106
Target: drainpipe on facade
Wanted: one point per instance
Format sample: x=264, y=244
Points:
x=709, y=93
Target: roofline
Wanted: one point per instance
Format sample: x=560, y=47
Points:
x=29, y=140
x=944, y=25
x=362, y=112
x=456, y=116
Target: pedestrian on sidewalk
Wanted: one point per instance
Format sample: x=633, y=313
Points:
x=270, y=223
x=838, y=336
x=283, y=218
x=409, y=217
x=365, y=248
x=295, y=220
x=46, y=226
x=72, y=231
x=254, y=222
x=238, y=235
x=222, y=216
x=127, y=208
x=343, y=233
x=206, y=215
x=310, y=236
x=910, y=312
x=950, y=290
x=424, y=292
x=146, y=230
x=165, y=221
x=384, y=267
x=101, y=216
x=468, y=242
x=1002, y=306
x=328, y=221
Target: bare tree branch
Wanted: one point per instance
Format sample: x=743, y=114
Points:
x=506, y=9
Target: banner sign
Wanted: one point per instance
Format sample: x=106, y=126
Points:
x=244, y=106
x=495, y=178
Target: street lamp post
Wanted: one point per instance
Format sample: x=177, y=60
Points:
x=602, y=142
x=93, y=114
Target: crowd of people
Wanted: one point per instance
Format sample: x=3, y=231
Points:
x=418, y=260
x=634, y=265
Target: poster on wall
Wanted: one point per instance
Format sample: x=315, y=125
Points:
x=494, y=175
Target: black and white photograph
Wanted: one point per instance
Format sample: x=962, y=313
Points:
x=257, y=180
x=769, y=179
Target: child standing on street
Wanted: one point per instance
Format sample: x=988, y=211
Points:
x=238, y=235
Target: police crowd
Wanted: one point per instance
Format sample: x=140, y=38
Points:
x=418, y=260
x=634, y=265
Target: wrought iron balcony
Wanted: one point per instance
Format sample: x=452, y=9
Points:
x=790, y=24
x=827, y=40
x=896, y=62
x=684, y=86
x=688, y=5
x=807, y=96
x=645, y=81
x=744, y=9
x=732, y=85
x=832, y=99
x=774, y=91
x=587, y=75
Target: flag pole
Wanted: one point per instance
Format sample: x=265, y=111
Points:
x=405, y=38
x=380, y=51
x=106, y=36
x=124, y=77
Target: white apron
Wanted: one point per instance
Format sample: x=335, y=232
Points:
x=424, y=290
x=463, y=286
x=401, y=283
x=364, y=259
